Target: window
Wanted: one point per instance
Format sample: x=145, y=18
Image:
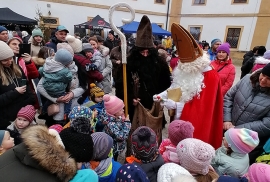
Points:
x=198, y=1
x=160, y=1
x=239, y=1
x=233, y=36
x=195, y=31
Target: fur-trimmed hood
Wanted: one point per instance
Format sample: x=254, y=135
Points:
x=104, y=50
x=38, y=61
x=261, y=60
x=50, y=155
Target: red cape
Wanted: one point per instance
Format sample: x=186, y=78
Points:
x=206, y=112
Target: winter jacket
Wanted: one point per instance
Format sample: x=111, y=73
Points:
x=235, y=165
x=247, y=56
x=167, y=43
x=212, y=55
x=53, y=43
x=56, y=77
x=106, y=69
x=11, y=101
x=111, y=43
x=151, y=168
x=247, y=66
x=39, y=62
x=115, y=55
x=112, y=176
x=226, y=72
x=168, y=151
x=260, y=62
x=26, y=39
x=248, y=107
x=39, y=158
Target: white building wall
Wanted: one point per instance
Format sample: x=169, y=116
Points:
x=70, y=15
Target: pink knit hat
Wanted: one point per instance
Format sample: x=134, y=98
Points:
x=241, y=140
x=195, y=155
x=28, y=112
x=179, y=130
x=112, y=104
x=259, y=172
x=57, y=127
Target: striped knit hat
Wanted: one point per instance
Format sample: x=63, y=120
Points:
x=103, y=145
x=28, y=112
x=241, y=140
x=112, y=104
x=96, y=91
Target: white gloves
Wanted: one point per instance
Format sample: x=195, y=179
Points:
x=160, y=97
x=156, y=98
x=168, y=103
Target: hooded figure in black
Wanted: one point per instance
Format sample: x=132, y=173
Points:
x=144, y=65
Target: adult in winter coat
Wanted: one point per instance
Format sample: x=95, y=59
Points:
x=25, y=37
x=36, y=41
x=59, y=37
x=250, y=54
x=223, y=65
x=111, y=41
x=246, y=105
x=13, y=94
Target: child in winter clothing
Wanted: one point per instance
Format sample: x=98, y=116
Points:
x=195, y=156
x=232, y=158
x=6, y=142
x=131, y=172
x=94, y=56
x=117, y=126
x=24, y=119
x=145, y=152
x=178, y=130
x=102, y=162
x=258, y=173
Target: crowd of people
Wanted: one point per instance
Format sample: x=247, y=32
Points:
x=217, y=131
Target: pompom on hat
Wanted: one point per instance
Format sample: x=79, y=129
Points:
x=76, y=44
x=5, y=51
x=224, y=47
x=28, y=112
x=96, y=91
x=144, y=144
x=63, y=56
x=259, y=172
x=195, y=155
x=131, y=173
x=66, y=46
x=241, y=140
x=112, y=104
x=179, y=130
x=103, y=144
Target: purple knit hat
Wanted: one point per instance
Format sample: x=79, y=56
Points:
x=195, y=155
x=179, y=130
x=224, y=47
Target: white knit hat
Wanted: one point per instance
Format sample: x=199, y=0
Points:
x=168, y=171
x=5, y=51
x=76, y=44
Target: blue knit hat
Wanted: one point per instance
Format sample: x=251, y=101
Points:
x=231, y=179
x=2, y=29
x=63, y=56
x=85, y=175
x=130, y=173
x=2, y=134
x=214, y=41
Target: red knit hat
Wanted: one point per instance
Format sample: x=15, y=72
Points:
x=179, y=130
x=28, y=112
x=112, y=104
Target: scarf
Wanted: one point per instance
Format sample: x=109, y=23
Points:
x=100, y=167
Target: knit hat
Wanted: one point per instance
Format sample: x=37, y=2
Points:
x=241, y=140
x=81, y=125
x=86, y=47
x=224, y=47
x=231, y=179
x=259, y=172
x=66, y=46
x=183, y=178
x=85, y=175
x=214, y=41
x=261, y=50
x=96, y=91
x=37, y=32
x=63, y=56
x=179, y=130
x=265, y=70
x=2, y=134
x=5, y=51
x=144, y=34
x=28, y=112
x=79, y=145
x=131, y=173
x=2, y=29
x=56, y=127
x=144, y=144
x=112, y=104
x=76, y=44
x=80, y=111
x=15, y=38
x=195, y=155
x=103, y=144
x=266, y=55
x=170, y=170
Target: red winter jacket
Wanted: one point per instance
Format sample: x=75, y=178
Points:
x=226, y=72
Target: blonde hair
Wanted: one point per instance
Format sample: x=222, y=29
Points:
x=210, y=176
x=14, y=69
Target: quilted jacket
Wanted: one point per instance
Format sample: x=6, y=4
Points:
x=247, y=107
x=226, y=72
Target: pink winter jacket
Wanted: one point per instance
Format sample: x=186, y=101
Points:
x=226, y=72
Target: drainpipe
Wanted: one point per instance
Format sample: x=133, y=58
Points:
x=167, y=17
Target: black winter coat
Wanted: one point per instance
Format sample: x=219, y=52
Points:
x=248, y=65
x=111, y=44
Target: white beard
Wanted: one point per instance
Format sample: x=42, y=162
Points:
x=189, y=77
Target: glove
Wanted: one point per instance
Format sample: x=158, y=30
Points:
x=169, y=104
x=89, y=67
x=156, y=98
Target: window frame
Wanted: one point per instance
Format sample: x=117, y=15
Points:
x=162, y=3
x=196, y=26
x=240, y=35
x=200, y=4
x=241, y=3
